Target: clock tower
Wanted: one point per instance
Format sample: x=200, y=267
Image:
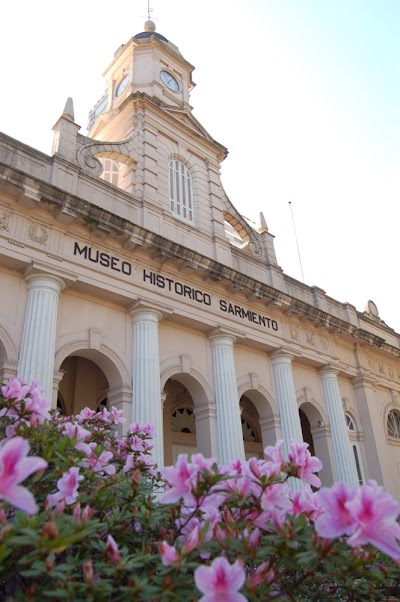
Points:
x=144, y=138
x=148, y=65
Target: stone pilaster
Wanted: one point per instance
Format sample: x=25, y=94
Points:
x=146, y=392
x=342, y=455
x=36, y=358
x=367, y=403
x=229, y=424
x=206, y=429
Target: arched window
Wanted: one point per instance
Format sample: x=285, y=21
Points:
x=110, y=171
x=181, y=191
x=183, y=421
x=355, y=446
x=393, y=424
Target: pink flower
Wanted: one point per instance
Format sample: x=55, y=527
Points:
x=75, y=431
x=85, y=414
x=304, y=502
x=335, y=518
x=37, y=404
x=375, y=514
x=15, y=389
x=98, y=463
x=137, y=444
x=104, y=415
x=67, y=487
x=116, y=416
x=180, y=479
x=220, y=582
x=275, y=453
x=191, y=540
x=112, y=551
x=276, y=497
x=168, y=553
x=306, y=464
x=31, y=395
x=16, y=466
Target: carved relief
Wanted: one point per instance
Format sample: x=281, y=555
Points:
x=324, y=343
x=5, y=221
x=381, y=368
x=38, y=234
x=294, y=333
x=391, y=373
x=310, y=339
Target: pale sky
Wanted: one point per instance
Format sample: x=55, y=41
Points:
x=305, y=94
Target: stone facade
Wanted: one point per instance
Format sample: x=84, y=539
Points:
x=128, y=292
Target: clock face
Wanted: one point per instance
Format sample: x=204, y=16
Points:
x=169, y=81
x=121, y=86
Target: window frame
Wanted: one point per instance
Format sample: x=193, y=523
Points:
x=180, y=186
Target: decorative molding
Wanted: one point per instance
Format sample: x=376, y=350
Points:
x=95, y=338
x=5, y=221
x=37, y=233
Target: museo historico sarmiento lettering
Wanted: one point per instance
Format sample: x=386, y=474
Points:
x=169, y=284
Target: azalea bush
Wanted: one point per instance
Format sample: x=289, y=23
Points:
x=86, y=515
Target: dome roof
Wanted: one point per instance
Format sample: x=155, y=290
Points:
x=149, y=30
x=148, y=34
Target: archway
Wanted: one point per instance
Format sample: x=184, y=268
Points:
x=8, y=355
x=306, y=431
x=260, y=412
x=189, y=418
x=315, y=433
x=179, y=422
x=83, y=384
x=251, y=429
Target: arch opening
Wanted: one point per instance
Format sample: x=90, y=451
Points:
x=179, y=421
x=252, y=436
x=88, y=376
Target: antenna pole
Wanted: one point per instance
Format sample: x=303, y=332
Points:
x=148, y=9
x=297, y=242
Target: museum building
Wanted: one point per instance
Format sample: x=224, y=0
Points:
x=129, y=279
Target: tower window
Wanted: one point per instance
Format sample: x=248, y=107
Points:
x=180, y=191
x=110, y=171
x=393, y=424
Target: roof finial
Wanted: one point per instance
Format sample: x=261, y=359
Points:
x=149, y=25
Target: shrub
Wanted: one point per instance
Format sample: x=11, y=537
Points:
x=85, y=515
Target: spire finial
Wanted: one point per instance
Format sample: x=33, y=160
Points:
x=149, y=25
x=68, y=112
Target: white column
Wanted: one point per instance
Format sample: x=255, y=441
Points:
x=286, y=397
x=229, y=423
x=36, y=358
x=146, y=392
x=344, y=462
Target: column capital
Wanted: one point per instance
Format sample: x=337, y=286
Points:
x=143, y=313
x=144, y=305
x=281, y=356
x=45, y=280
x=221, y=336
x=328, y=371
x=44, y=270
